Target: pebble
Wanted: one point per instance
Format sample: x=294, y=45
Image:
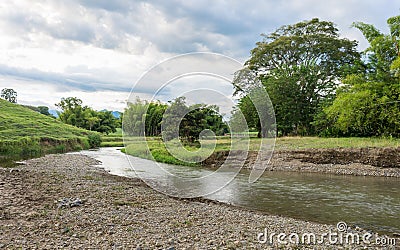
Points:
x=69, y=202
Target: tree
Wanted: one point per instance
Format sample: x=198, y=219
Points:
x=187, y=122
x=105, y=122
x=299, y=65
x=247, y=108
x=72, y=111
x=368, y=103
x=174, y=121
x=154, y=115
x=75, y=114
x=134, y=118
x=91, y=118
x=44, y=110
x=9, y=95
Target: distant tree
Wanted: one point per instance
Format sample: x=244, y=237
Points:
x=75, y=114
x=246, y=110
x=91, y=118
x=199, y=118
x=36, y=109
x=172, y=121
x=72, y=111
x=106, y=122
x=154, y=116
x=187, y=122
x=134, y=118
x=44, y=110
x=9, y=95
x=120, y=119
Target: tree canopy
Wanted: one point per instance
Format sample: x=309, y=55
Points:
x=299, y=65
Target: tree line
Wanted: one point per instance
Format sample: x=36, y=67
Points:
x=173, y=120
x=320, y=84
x=74, y=113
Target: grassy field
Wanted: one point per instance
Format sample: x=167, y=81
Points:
x=25, y=133
x=113, y=139
x=140, y=148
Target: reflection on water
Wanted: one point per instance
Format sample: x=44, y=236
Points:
x=368, y=202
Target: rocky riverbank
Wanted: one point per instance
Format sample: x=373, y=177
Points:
x=62, y=201
x=384, y=162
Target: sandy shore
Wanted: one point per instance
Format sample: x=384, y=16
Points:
x=62, y=201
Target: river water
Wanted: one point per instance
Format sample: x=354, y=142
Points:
x=368, y=202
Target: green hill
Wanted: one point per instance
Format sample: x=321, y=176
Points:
x=25, y=133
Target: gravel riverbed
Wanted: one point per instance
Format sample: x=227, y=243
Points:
x=64, y=201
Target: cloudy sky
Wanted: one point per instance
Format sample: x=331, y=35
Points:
x=98, y=49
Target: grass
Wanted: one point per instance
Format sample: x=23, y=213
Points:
x=113, y=139
x=118, y=133
x=293, y=143
x=156, y=150
x=153, y=148
x=25, y=133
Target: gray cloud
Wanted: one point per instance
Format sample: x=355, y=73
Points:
x=186, y=26
x=182, y=26
x=119, y=6
x=65, y=81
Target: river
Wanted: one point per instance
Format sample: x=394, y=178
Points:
x=372, y=203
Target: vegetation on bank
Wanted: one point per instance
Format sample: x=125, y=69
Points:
x=25, y=133
x=155, y=149
x=74, y=113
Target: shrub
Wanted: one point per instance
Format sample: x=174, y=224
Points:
x=94, y=140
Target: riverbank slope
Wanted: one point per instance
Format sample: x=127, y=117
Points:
x=25, y=133
x=369, y=161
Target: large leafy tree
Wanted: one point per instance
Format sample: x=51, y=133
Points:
x=368, y=103
x=300, y=65
x=9, y=95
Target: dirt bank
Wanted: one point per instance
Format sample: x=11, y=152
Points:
x=351, y=161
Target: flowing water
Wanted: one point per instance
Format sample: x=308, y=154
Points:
x=368, y=202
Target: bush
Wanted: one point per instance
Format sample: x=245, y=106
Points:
x=94, y=140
